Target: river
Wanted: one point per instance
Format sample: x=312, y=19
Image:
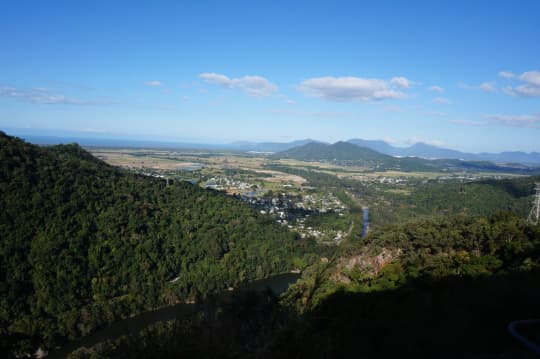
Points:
x=365, y=221
x=277, y=284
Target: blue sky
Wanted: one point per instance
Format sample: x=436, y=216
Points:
x=463, y=75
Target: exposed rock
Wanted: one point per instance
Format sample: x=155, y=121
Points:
x=371, y=264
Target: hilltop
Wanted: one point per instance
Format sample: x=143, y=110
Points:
x=339, y=152
x=84, y=243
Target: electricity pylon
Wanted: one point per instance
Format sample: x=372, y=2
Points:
x=535, y=210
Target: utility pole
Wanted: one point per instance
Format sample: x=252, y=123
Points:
x=535, y=210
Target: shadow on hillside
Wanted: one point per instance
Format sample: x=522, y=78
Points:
x=521, y=187
x=448, y=318
x=453, y=317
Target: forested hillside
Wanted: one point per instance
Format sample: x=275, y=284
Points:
x=445, y=288
x=339, y=151
x=83, y=244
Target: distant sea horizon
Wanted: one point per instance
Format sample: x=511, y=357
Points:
x=50, y=139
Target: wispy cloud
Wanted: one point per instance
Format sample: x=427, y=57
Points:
x=304, y=113
x=401, y=81
x=154, y=83
x=441, y=100
x=436, y=113
x=469, y=122
x=44, y=96
x=393, y=108
x=507, y=74
x=351, y=89
x=285, y=99
x=515, y=120
x=488, y=87
x=435, y=88
x=252, y=85
x=503, y=120
x=484, y=86
x=529, y=87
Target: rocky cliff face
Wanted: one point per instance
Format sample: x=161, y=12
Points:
x=368, y=263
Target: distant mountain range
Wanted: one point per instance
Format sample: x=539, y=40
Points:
x=347, y=153
x=421, y=150
x=424, y=150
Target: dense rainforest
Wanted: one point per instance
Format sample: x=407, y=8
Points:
x=83, y=244
x=445, y=288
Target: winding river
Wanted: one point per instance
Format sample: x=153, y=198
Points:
x=277, y=284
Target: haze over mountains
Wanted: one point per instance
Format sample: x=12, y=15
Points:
x=429, y=151
x=346, y=153
x=418, y=149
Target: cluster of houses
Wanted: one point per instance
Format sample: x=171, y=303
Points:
x=467, y=177
x=225, y=183
x=287, y=208
x=293, y=210
x=391, y=180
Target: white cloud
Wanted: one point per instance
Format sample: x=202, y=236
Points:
x=522, y=90
x=413, y=140
x=252, y=85
x=484, y=86
x=345, y=89
x=507, y=74
x=441, y=100
x=436, y=89
x=390, y=140
x=531, y=77
x=401, y=82
x=488, y=87
x=515, y=120
x=530, y=86
x=509, y=91
x=216, y=78
x=44, y=96
x=153, y=83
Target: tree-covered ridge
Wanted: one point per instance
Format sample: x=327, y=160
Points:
x=337, y=151
x=460, y=246
x=445, y=288
x=83, y=243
